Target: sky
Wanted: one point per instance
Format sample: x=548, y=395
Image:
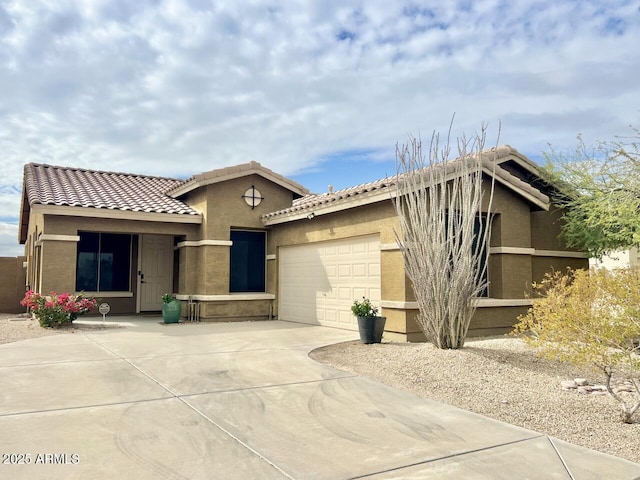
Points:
x=318, y=91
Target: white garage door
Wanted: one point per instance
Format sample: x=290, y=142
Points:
x=320, y=281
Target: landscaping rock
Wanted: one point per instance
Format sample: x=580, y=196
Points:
x=568, y=385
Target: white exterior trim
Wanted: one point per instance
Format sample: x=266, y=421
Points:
x=115, y=214
x=482, y=302
x=271, y=256
x=228, y=298
x=560, y=253
x=203, y=243
x=57, y=238
x=385, y=247
x=512, y=250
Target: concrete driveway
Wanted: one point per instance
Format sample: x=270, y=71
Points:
x=243, y=400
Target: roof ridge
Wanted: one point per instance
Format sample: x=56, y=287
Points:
x=233, y=171
x=487, y=158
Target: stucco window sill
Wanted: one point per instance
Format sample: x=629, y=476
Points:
x=232, y=297
x=482, y=303
x=108, y=294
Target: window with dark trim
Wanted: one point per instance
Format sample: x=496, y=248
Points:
x=248, y=261
x=478, y=229
x=103, y=262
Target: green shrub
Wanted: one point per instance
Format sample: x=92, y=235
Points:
x=54, y=310
x=364, y=308
x=590, y=318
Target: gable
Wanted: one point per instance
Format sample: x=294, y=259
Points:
x=238, y=171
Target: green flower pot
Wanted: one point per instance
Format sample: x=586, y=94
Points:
x=171, y=311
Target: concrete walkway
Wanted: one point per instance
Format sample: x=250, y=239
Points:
x=243, y=400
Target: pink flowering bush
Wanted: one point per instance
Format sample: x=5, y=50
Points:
x=55, y=309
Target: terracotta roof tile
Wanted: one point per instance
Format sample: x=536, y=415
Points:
x=76, y=187
x=348, y=194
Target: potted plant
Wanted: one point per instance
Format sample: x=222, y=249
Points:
x=370, y=325
x=171, y=308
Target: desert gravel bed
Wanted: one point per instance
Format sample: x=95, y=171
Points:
x=498, y=377
x=14, y=328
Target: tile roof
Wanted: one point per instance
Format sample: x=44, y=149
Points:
x=76, y=187
x=236, y=171
x=348, y=195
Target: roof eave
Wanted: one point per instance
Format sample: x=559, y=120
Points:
x=116, y=214
x=203, y=181
x=25, y=213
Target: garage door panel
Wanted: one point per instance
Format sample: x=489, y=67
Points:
x=361, y=270
x=344, y=271
x=319, y=281
x=346, y=319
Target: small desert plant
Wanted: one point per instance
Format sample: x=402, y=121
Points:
x=590, y=318
x=364, y=308
x=168, y=298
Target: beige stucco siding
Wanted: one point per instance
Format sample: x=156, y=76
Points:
x=542, y=265
x=513, y=227
x=546, y=230
x=12, y=284
x=226, y=208
x=514, y=277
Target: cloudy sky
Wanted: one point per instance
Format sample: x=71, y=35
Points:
x=320, y=91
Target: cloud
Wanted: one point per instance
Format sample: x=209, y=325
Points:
x=9, y=240
x=177, y=87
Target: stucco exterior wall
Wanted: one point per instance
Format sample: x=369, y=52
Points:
x=204, y=268
x=12, y=284
x=546, y=228
x=514, y=226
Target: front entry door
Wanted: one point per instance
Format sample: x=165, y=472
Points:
x=156, y=270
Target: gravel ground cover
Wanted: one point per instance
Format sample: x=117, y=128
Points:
x=14, y=328
x=501, y=378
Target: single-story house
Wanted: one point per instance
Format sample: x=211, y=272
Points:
x=244, y=242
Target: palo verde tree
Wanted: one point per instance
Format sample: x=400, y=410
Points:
x=591, y=318
x=444, y=232
x=600, y=188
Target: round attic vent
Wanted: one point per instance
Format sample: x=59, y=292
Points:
x=253, y=197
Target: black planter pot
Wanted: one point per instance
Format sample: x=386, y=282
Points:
x=371, y=329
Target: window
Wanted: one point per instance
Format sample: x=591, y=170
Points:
x=104, y=262
x=248, y=256
x=478, y=229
